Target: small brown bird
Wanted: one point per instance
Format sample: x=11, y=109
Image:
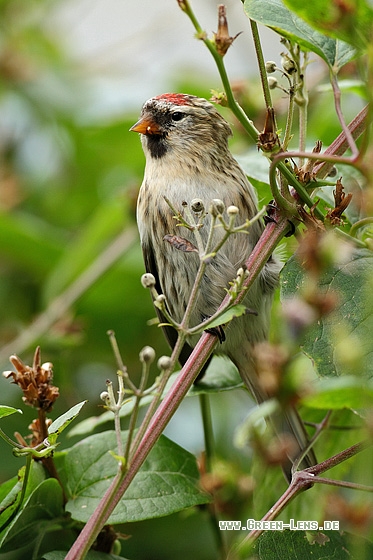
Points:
x=185, y=141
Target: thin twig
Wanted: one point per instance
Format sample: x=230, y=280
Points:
x=319, y=430
x=338, y=109
x=360, y=224
x=302, y=480
x=357, y=126
x=160, y=417
x=261, y=64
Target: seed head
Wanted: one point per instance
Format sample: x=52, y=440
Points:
x=232, y=210
x=270, y=67
x=148, y=280
x=217, y=207
x=147, y=355
x=164, y=363
x=197, y=205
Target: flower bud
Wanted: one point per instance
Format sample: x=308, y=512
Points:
x=232, y=210
x=159, y=301
x=147, y=355
x=272, y=82
x=104, y=396
x=148, y=280
x=197, y=205
x=164, y=362
x=288, y=65
x=270, y=67
x=217, y=207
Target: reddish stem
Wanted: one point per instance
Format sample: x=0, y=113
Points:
x=265, y=246
x=338, y=147
x=255, y=262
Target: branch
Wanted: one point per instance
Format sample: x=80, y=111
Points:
x=338, y=147
x=302, y=480
x=271, y=236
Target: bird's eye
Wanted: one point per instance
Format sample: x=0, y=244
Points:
x=177, y=116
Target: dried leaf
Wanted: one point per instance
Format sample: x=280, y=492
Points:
x=181, y=243
x=222, y=38
x=268, y=140
x=341, y=201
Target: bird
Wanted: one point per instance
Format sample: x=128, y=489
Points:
x=187, y=157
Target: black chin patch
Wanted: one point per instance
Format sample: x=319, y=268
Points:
x=157, y=145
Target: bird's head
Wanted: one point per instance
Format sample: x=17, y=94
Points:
x=181, y=124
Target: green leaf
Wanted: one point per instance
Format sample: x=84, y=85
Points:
x=255, y=165
x=275, y=15
x=221, y=375
x=167, y=482
x=10, y=491
x=342, y=392
x=348, y=21
x=340, y=342
x=9, y=497
x=63, y=421
x=39, y=514
x=351, y=85
x=227, y=316
x=8, y=410
x=320, y=545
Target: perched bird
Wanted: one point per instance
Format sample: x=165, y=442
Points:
x=185, y=141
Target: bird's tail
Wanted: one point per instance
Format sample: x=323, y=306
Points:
x=285, y=421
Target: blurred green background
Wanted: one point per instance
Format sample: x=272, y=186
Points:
x=70, y=259
x=68, y=188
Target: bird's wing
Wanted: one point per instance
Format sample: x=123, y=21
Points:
x=169, y=331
